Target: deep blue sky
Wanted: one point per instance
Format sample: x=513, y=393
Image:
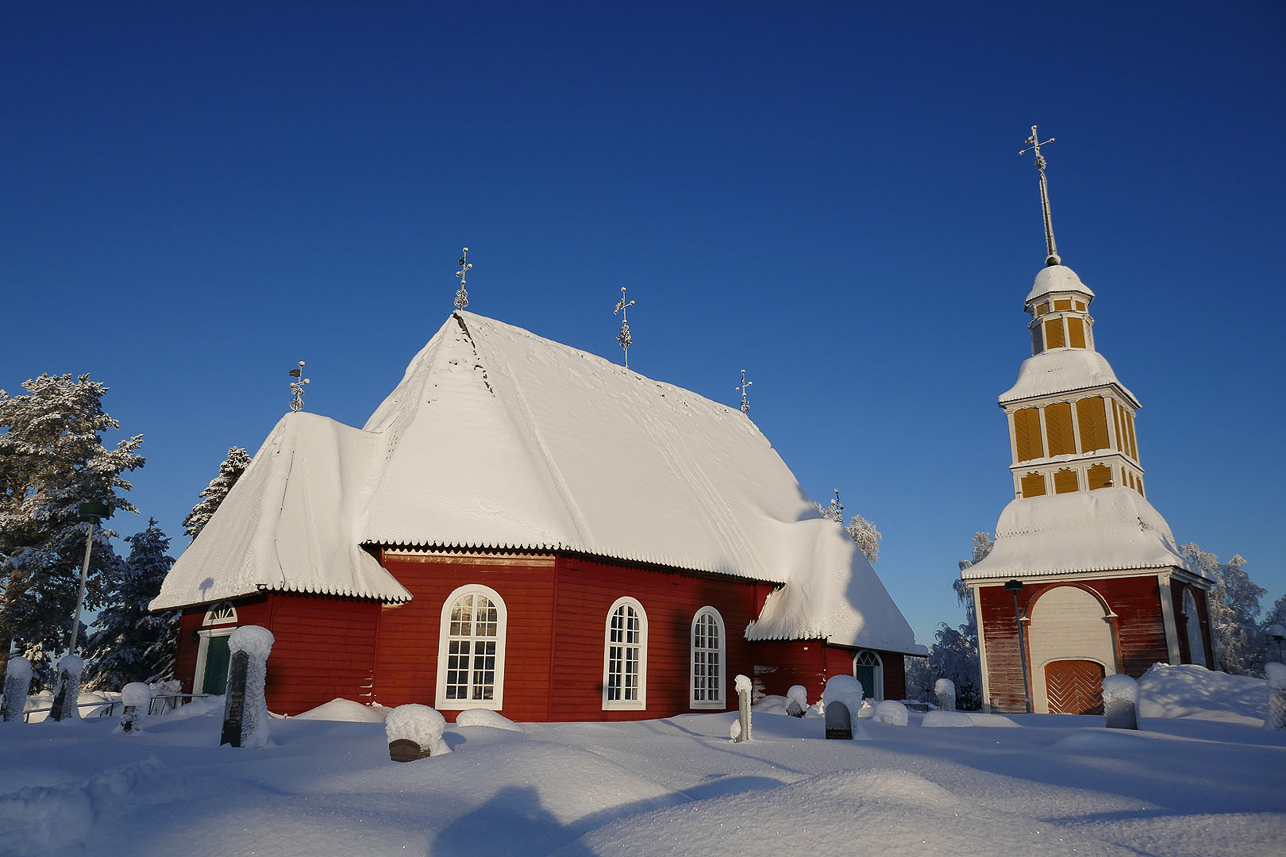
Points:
x=197, y=196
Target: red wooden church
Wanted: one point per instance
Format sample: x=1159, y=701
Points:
x=528, y=528
x=1104, y=589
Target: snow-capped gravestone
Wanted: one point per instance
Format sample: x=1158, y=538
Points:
x=1276, y=673
x=17, y=683
x=841, y=701
x=245, y=710
x=65, y=708
x=136, y=696
x=741, y=730
x=1120, y=702
x=945, y=691
x=414, y=732
x=890, y=711
x=797, y=700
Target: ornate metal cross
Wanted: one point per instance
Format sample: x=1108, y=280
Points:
x=624, y=336
x=297, y=388
x=745, y=386
x=462, y=296
x=1033, y=145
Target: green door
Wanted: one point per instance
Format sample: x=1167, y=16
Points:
x=215, y=680
x=865, y=673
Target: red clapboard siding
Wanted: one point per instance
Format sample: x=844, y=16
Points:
x=324, y=649
x=779, y=664
x=250, y=611
x=407, y=648
x=586, y=591
x=1004, y=677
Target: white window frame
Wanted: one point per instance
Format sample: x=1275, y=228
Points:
x=879, y=670
x=444, y=638
x=223, y=614
x=641, y=659
x=721, y=652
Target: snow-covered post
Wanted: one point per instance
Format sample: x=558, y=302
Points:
x=414, y=732
x=1276, y=695
x=743, y=687
x=797, y=700
x=68, y=694
x=945, y=690
x=136, y=696
x=17, y=683
x=245, y=711
x=1120, y=702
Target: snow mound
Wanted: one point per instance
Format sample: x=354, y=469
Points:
x=980, y=719
x=486, y=717
x=136, y=693
x=946, y=718
x=201, y=707
x=1192, y=691
x=346, y=711
x=39, y=819
x=1102, y=739
x=1120, y=687
x=911, y=814
x=417, y=723
x=255, y=640
x=890, y=711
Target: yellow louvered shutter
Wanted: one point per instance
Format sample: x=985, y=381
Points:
x=1058, y=425
x=1091, y=419
x=1062, y=305
x=1054, y=337
x=1033, y=485
x=1120, y=434
x=1099, y=476
x=1065, y=481
x=1076, y=332
x=1027, y=434
x=1134, y=444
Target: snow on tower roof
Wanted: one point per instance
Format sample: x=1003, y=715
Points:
x=1057, y=278
x=289, y=523
x=1063, y=370
x=1110, y=529
x=498, y=439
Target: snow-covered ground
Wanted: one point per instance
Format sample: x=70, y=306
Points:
x=1202, y=777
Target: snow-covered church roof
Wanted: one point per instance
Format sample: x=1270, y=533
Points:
x=1109, y=529
x=498, y=439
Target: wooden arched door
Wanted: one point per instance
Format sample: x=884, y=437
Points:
x=1074, y=687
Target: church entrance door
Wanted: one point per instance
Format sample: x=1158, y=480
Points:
x=1074, y=687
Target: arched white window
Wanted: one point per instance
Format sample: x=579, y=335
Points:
x=212, y=654
x=869, y=670
x=625, y=656
x=471, y=649
x=708, y=669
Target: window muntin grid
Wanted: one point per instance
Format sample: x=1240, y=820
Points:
x=707, y=659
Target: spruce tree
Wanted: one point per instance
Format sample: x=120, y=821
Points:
x=212, y=496
x=52, y=460
x=130, y=644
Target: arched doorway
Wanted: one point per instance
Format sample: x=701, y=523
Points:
x=1071, y=650
x=869, y=670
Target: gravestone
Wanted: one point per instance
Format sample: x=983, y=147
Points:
x=406, y=750
x=1120, y=700
x=65, y=700
x=136, y=696
x=839, y=721
x=945, y=691
x=17, y=683
x=796, y=701
x=234, y=705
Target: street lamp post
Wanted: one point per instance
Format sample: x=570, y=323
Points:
x=1015, y=586
x=93, y=511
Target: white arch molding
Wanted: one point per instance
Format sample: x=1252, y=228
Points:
x=471, y=649
x=708, y=662
x=1068, y=623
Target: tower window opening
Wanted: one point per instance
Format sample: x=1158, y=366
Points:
x=1033, y=485
x=1065, y=481
x=1054, y=336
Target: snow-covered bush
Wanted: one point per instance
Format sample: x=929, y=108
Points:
x=796, y=700
x=1276, y=695
x=70, y=668
x=17, y=683
x=891, y=712
x=417, y=723
x=136, y=697
x=486, y=717
x=256, y=642
x=945, y=691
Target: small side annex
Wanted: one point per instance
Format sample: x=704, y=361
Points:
x=472, y=547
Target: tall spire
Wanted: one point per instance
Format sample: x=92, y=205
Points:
x=1033, y=145
x=297, y=388
x=743, y=389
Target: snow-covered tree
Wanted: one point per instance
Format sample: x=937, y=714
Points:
x=129, y=644
x=1234, y=612
x=212, y=496
x=982, y=545
x=52, y=460
x=862, y=531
